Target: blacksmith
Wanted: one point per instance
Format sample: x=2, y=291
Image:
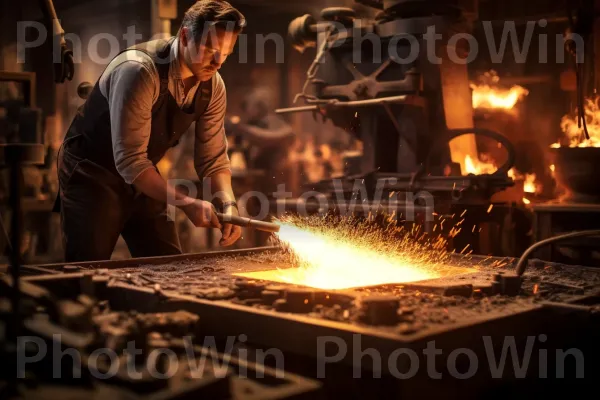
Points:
x=147, y=97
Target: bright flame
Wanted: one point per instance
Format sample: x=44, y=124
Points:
x=575, y=134
x=347, y=255
x=488, y=94
x=530, y=186
x=530, y=183
x=488, y=97
x=478, y=167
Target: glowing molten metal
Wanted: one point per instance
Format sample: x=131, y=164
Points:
x=347, y=255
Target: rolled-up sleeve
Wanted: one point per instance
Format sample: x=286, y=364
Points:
x=130, y=89
x=210, y=150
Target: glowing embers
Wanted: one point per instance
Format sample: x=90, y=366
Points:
x=333, y=253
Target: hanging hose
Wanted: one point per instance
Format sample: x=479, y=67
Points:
x=579, y=67
x=522, y=264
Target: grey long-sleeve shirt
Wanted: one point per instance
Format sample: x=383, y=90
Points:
x=131, y=86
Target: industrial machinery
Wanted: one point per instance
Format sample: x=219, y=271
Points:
x=379, y=78
x=395, y=82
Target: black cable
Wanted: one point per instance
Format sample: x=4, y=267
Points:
x=581, y=96
x=579, y=70
x=522, y=264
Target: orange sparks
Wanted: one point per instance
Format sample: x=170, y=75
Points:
x=489, y=210
x=334, y=253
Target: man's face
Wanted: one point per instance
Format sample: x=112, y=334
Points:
x=206, y=56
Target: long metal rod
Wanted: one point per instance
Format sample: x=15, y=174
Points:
x=337, y=103
x=296, y=109
x=248, y=222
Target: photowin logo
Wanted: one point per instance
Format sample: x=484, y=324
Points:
x=460, y=363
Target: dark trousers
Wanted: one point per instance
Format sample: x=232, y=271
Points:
x=97, y=206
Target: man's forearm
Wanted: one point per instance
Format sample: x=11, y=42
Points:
x=220, y=187
x=200, y=213
x=154, y=186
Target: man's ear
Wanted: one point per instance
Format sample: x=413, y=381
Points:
x=183, y=36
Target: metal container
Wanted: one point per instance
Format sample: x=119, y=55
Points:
x=576, y=169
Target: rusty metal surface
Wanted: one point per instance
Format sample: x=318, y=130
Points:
x=133, y=262
x=157, y=300
x=491, y=300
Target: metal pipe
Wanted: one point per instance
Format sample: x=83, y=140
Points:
x=296, y=109
x=248, y=222
x=337, y=103
x=522, y=264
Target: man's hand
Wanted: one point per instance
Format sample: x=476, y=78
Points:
x=231, y=233
x=202, y=214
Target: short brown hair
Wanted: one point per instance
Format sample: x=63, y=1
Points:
x=212, y=13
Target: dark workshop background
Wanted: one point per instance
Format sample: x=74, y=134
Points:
x=280, y=80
